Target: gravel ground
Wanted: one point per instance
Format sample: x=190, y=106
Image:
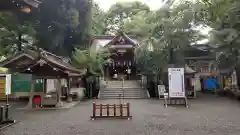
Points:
x=207, y=115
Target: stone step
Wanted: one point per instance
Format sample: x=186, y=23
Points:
x=117, y=89
x=130, y=89
x=129, y=93
x=116, y=92
x=123, y=98
x=125, y=95
x=125, y=92
x=117, y=97
x=137, y=95
x=125, y=87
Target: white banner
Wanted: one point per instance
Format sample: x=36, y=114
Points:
x=8, y=84
x=176, y=82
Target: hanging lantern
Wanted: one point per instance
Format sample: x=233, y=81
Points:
x=26, y=9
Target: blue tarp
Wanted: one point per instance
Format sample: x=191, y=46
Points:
x=211, y=83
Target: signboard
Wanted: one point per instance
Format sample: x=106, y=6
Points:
x=176, y=83
x=8, y=84
x=161, y=90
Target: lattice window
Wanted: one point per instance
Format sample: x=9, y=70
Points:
x=205, y=69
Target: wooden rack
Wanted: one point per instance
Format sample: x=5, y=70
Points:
x=111, y=111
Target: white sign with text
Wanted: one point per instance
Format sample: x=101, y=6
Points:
x=176, y=82
x=8, y=84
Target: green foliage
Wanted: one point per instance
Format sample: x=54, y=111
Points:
x=57, y=26
x=99, y=26
x=64, y=27
x=222, y=17
x=166, y=31
x=141, y=24
x=121, y=12
x=10, y=30
x=91, y=60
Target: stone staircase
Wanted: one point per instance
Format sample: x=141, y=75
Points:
x=131, y=90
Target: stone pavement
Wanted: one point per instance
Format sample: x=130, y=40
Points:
x=206, y=115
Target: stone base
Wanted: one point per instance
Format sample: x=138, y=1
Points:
x=59, y=104
x=69, y=99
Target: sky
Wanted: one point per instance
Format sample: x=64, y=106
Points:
x=105, y=4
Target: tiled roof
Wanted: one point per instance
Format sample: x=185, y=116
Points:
x=35, y=55
x=104, y=40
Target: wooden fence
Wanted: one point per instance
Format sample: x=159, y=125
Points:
x=111, y=111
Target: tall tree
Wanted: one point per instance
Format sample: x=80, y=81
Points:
x=170, y=32
x=121, y=12
x=99, y=24
x=14, y=34
x=222, y=17
x=57, y=26
x=52, y=29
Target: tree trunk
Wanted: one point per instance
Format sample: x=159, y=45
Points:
x=19, y=45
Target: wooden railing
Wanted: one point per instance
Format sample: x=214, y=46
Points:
x=111, y=111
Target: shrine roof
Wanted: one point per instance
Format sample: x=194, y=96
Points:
x=111, y=37
x=104, y=40
x=187, y=69
x=199, y=52
x=29, y=57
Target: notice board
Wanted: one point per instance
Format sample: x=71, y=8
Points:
x=176, y=82
x=8, y=84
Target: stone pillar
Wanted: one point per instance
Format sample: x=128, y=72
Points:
x=69, y=98
x=31, y=93
x=58, y=87
x=197, y=83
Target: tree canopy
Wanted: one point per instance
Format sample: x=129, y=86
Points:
x=61, y=26
x=56, y=26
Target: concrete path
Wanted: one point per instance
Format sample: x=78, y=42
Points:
x=206, y=115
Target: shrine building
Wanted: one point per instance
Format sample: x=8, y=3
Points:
x=121, y=48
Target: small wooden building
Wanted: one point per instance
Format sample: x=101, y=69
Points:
x=202, y=60
x=41, y=65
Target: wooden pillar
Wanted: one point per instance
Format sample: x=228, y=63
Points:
x=45, y=86
x=31, y=93
x=128, y=109
x=198, y=66
x=107, y=71
x=94, y=109
x=69, y=98
x=101, y=110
